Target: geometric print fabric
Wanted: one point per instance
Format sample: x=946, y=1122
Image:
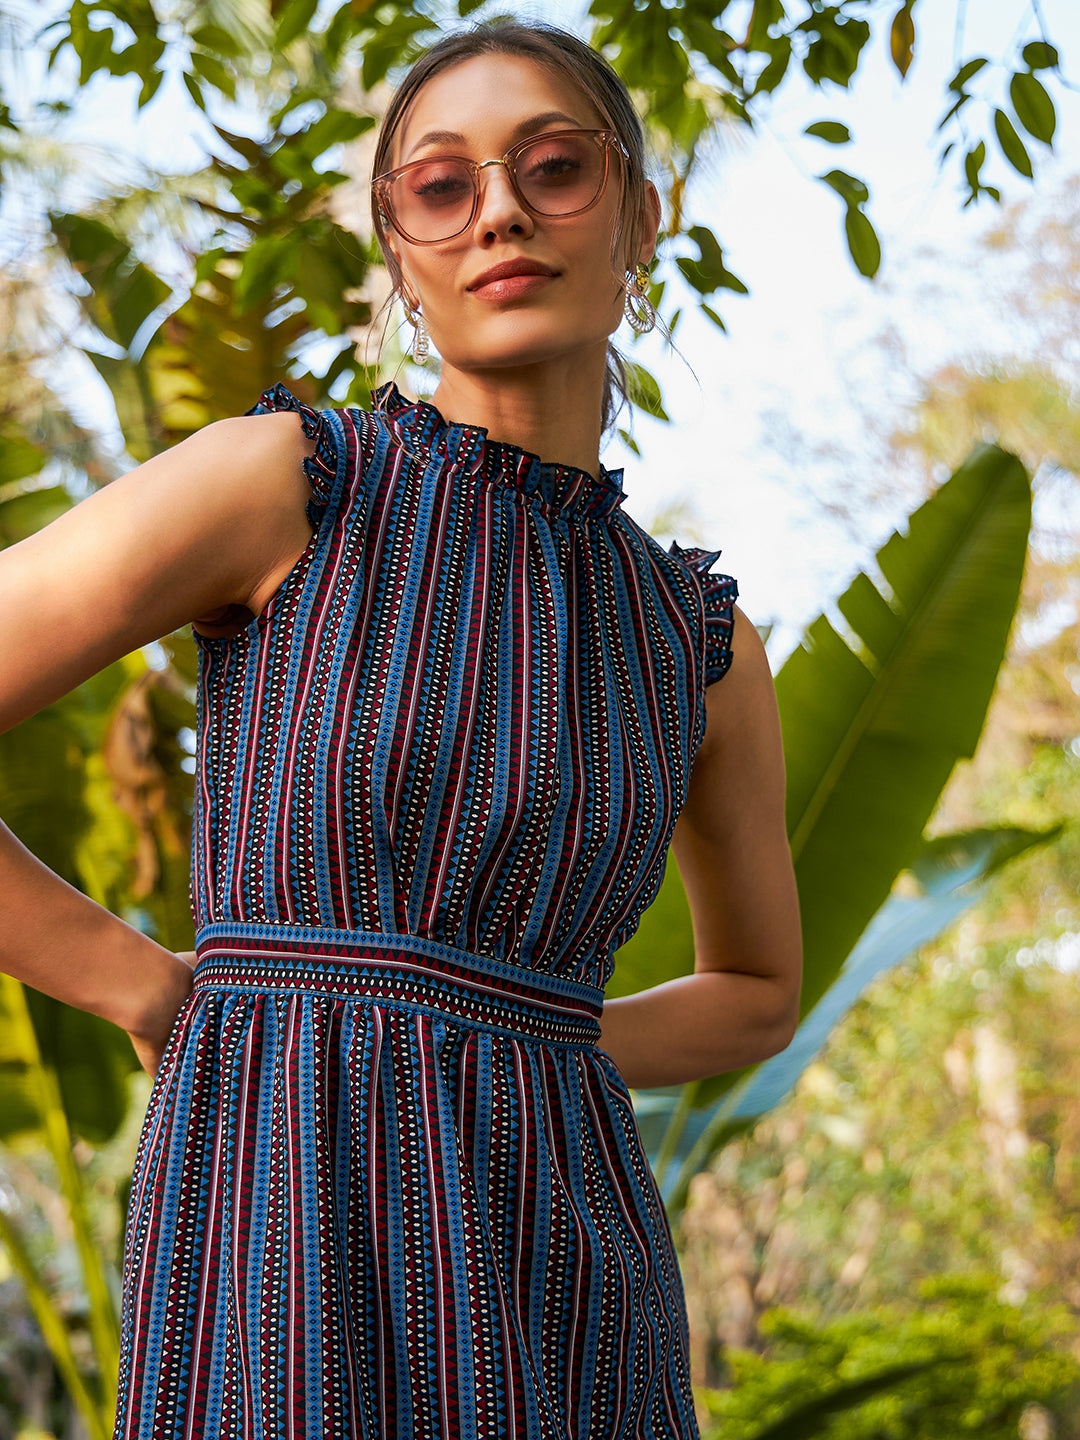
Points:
x=388, y=1184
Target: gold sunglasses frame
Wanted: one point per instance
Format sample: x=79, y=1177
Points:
x=381, y=184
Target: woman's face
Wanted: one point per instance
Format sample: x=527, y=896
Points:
x=479, y=109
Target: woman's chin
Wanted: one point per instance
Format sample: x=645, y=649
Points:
x=524, y=351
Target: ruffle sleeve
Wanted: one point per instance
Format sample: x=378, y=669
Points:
x=719, y=593
x=321, y=468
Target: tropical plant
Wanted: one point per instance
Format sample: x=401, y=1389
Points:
x=873, y=726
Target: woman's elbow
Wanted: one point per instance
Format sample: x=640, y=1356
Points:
x=780, y=1036
x=784, y=1022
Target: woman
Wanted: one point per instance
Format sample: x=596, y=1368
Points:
x=389, y=1181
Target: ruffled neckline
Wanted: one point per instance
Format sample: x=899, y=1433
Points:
x=417, y=425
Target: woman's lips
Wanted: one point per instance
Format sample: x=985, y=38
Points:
x=511, y=287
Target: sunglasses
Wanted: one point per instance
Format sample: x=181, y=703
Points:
x=556, y=174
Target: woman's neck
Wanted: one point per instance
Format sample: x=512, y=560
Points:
x=552, y=410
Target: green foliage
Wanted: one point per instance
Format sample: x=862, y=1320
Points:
x=18, y=458
x=935, y=1135
x=872, y=729
x=874, y=726
x=1033, y=106
x=950, y=874
x=902, y=38
x=644, y=391
x=278, y=275
x=862, y=238
x=276, y=279
x=708, y=273
x=830, y=130
x=1012, y=147
x=690, y=70
x=94, y=1399
x=964, y=1362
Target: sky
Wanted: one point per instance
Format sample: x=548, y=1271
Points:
x=801, y=351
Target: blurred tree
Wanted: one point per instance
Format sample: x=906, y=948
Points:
x=964, y=1362
x=937, y=1134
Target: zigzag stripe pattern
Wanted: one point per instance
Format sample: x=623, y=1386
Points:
x=388, y=1184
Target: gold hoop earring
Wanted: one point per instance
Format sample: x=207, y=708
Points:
x=637, y=307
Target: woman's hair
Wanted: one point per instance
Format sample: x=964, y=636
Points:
x=586, y=68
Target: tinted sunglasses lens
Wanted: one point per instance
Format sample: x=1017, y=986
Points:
x=560, y=174
x=432, y=201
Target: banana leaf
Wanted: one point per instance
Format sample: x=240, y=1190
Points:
x=874, y=723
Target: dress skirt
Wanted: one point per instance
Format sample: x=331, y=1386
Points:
x=386, y=1188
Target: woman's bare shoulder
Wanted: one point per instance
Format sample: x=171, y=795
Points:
x=217, y=520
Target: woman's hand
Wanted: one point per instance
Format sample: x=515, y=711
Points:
x=152, y=1038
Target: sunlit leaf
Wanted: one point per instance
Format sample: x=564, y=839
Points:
x=967, y=72
x=18, y=458
x=334, y=128
x=216, y=38
x=830, y=130
x=209, y=68
x=973, y=163
x=644, y=391
x=1034, y=107
x=194, y=89
x=150, y=86
x=1040, y=55
x=850, y=187
x=709, y=272
x=902, y=40
x=862, y=242
x=833, y=52
x=713, y=316
x=1012, y=147
x=293, y=20
x=777, y=67
x=871, y=737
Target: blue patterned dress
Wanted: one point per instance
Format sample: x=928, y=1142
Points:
x=388, y=1185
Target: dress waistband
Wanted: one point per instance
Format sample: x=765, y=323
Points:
x=401, y=971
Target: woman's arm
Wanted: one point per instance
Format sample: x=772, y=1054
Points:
x=741, y=1004
x=58, y=940
x=218, y=521
x=214, y=524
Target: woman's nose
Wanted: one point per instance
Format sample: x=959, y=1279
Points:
x=499, y=212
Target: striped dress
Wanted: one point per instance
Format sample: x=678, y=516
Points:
x=388, y=1184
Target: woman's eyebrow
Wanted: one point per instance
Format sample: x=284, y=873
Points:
x=535, y=122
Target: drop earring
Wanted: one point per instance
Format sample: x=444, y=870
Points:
x=637, y=307
x=420, y=336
